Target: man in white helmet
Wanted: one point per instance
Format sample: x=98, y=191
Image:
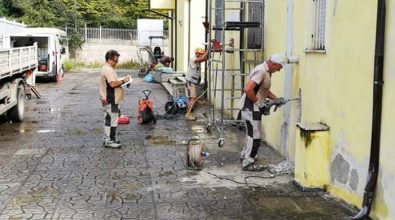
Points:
x=256, y=91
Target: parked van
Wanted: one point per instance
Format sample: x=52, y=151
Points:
x=52, y=49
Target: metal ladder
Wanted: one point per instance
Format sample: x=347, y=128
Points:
x=229, y=76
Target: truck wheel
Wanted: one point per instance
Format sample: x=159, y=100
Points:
x=16, y=113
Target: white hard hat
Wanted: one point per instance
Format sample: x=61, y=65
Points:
x=278, y=58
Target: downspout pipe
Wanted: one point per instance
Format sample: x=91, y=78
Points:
x=175, y=36
x=206, y=37
x=373, y=171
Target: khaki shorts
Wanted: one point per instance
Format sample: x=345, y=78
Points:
x=190, y=90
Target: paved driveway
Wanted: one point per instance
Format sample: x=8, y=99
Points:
x=53, y=166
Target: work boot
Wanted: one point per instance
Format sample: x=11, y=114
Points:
x=112, y=144
x=190, y=117
x=254, y=168
x=117, y=141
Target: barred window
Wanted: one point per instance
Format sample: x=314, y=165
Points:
x=219, y=5
x=255, y=35
x=318, y=36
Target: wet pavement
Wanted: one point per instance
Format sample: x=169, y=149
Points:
x=53, y=165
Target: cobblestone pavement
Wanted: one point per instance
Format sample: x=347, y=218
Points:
x=53, y=166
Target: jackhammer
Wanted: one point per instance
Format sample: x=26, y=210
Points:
x=268, y=104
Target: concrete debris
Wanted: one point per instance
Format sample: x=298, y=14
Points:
x=283, y=168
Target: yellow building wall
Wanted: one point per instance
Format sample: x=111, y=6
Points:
x=190, y=33
x=275, y=23
x=197, y=36
x=181, y=34
x=337, y=90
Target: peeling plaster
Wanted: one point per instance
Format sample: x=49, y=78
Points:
x=339, y=169
x=353, y=181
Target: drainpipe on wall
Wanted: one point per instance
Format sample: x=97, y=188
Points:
x=172, y=38
x=373, y=171
x=175, y=35
x=287, y=80
x=241, y=45
x=206, y=37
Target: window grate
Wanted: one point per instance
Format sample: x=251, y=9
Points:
x=319, y=35
x=255, y=13
x=219, y=5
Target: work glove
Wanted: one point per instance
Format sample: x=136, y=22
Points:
x=263, y=106
x=261, y=103
x=280, y=101
x=104, y=102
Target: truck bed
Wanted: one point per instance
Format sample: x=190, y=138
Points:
x=17, y=60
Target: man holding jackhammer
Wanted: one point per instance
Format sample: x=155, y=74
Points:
x=252, y=102
x=192, y=77
x=111, y=94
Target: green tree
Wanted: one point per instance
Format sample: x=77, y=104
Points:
x=70, y=13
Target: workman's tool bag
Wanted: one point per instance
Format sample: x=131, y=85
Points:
x=145, y=110
x=123, y=120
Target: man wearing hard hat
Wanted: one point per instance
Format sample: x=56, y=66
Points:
x=253, y=99
x=192, y=77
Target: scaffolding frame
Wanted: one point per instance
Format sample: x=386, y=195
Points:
x=244, y=64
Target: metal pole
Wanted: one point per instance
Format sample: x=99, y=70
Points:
x=100, y=34
x=208, y=39
x=287, y=81
x=86, y=33
x=223, y=70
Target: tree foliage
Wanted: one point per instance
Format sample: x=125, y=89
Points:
x=71, y=13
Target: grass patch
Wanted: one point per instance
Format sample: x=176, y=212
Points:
x=129, y=65
x=70, y=65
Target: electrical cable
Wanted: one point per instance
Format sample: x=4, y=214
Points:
x=245, y=178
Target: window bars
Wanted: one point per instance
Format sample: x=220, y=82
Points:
x=319, y=25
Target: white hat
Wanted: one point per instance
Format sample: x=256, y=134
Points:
x=278, y=58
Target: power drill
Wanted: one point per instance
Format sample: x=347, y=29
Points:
x=265, y=110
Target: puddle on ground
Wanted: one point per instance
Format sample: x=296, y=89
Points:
x=133, y=186
x=23, y=200
x=45, y=191
x=198, y=129
x=46, y=131
x=96, y=130
x=74, y=93
x=166, y=173
x=164, y=140
x=52, y=110
x=131, y=197
x=41, y=102
x=24, y=127
x=76, y=133
x=26, y=151
x=37, y=194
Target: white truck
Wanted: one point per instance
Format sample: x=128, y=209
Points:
x=52, y=46
x=15, y=65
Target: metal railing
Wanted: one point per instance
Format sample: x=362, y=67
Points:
x=102, y=35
